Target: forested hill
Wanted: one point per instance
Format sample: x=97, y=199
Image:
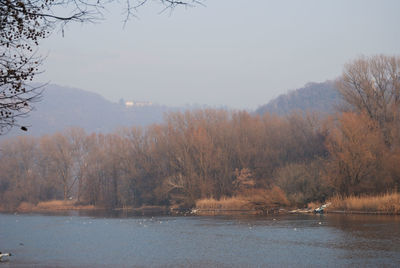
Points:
x=64, y=107
x=313, y=97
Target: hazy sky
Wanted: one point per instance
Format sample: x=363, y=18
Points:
x=235, y=53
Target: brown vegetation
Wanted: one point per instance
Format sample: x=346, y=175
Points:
x=254, y=199
x=388, y=203
x=224, y=203
x=193, y=156
x=53, y=205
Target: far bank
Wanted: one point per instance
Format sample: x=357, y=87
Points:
x=385, y=204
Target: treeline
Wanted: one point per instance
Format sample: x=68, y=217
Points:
x=214, y=153
x=193, y=155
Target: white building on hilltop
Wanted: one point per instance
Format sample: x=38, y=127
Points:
x=129, y=104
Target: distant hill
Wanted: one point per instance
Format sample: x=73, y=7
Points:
x=313, y=97
x=64, y=107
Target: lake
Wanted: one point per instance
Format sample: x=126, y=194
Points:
x=76, y=239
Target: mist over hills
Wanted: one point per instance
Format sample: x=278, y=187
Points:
x=313, y=97
x=63, y=107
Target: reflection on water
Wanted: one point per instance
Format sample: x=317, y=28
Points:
x=99, y=239
x=99, y=213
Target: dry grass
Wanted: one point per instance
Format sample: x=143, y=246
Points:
x=247, y=200
x=53, y=205
x=25, y=206
x=225, y=203
x=385, y=203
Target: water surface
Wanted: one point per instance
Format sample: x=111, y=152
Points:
x=105, y=240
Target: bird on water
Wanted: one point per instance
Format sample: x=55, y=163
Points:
x=2, y=255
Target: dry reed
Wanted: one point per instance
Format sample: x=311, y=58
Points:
x=388, y=203
x=225, y=203
x=53, y=205
x=248, y=200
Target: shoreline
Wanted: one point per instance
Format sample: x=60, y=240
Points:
x=222, y=212
x=361, y=212
x=195, y=212
x=70, y=205
x=233, y=212
x=57, y=206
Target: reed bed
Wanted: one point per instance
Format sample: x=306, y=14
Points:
x=53, y=205
x=225, y=203
x=388, y=203
x=248, y=200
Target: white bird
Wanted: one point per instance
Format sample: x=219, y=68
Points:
x=2, y=255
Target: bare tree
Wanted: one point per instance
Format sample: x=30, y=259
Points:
x=373, y=85
x=23, y=24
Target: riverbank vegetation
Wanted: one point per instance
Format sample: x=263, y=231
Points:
x=223, y=158
x=257, y=199
x=53, y=205
x=388, y=203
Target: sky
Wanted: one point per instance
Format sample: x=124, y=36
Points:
x=232, y=53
